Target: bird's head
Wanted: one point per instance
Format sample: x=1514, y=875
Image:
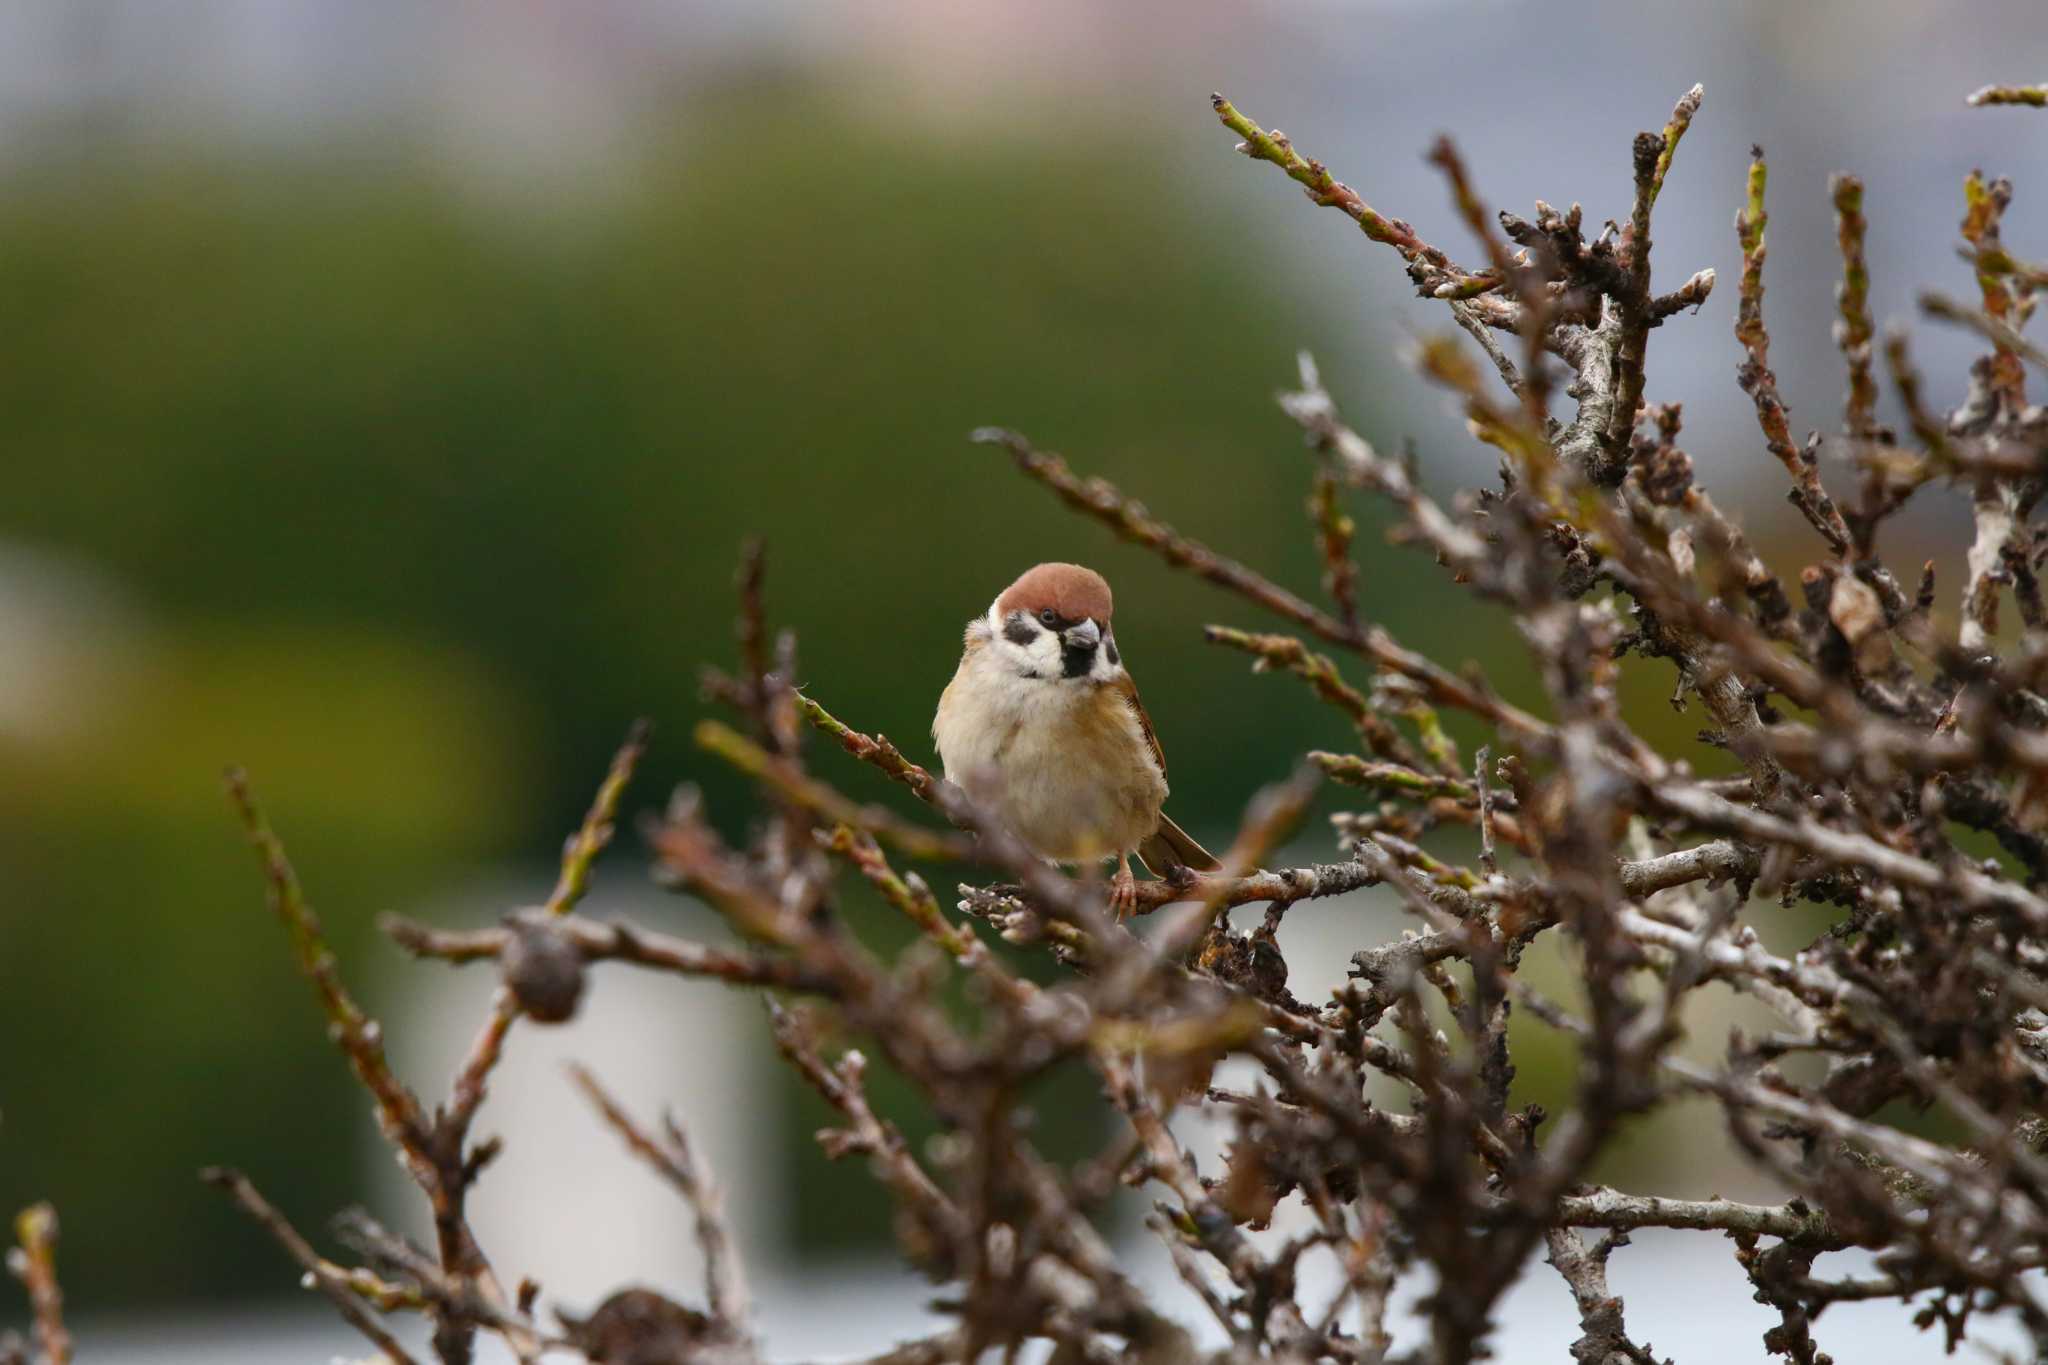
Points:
x=1053, y=623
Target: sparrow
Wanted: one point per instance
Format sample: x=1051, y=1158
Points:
x=1042, y=726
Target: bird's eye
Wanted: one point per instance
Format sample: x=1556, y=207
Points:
x=1049, y=616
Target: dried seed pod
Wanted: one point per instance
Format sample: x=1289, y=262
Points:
x=639, y=1327
x=543, y=968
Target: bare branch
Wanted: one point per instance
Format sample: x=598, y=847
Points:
x=321, y=1274
x=725, y=1285
x=2035, y=95
x=1761, y=384
x=596, y=831
x=34, y=1263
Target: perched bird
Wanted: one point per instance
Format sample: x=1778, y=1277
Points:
x=1042, y=725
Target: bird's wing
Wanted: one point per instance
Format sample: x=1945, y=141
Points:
x=1129, y=691
x=1168, y=846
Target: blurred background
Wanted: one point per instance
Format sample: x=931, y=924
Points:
x=388, y=389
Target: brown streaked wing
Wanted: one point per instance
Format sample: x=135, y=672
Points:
x=1129, y=691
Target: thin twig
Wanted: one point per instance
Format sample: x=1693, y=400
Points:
x=34, y=1263
x=596, y=831
x=321, y=1274
x=725, y=1285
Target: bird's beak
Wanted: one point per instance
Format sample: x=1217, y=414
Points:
x=1087, y=635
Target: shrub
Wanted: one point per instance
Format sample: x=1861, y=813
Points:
x=1876, y=758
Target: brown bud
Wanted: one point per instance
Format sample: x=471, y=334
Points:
x=638, y=1327
x=1667, y=476
x=543, y=968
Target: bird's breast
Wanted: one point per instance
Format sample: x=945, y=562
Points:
x=1064, y=763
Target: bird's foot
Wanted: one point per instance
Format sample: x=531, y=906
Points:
x=1123, y=892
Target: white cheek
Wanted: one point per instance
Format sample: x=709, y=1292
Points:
x=1040, y=657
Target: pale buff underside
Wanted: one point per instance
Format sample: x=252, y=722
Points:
x=1065, y=764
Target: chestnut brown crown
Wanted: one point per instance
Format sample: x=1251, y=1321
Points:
x=1074, y=593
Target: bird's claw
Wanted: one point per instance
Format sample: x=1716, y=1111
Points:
x=1123, y=894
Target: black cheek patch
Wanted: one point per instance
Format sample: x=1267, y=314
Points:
x=1109, y=648
x=1019, y=631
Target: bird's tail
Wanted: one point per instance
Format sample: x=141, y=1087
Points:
x=1169, y=847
